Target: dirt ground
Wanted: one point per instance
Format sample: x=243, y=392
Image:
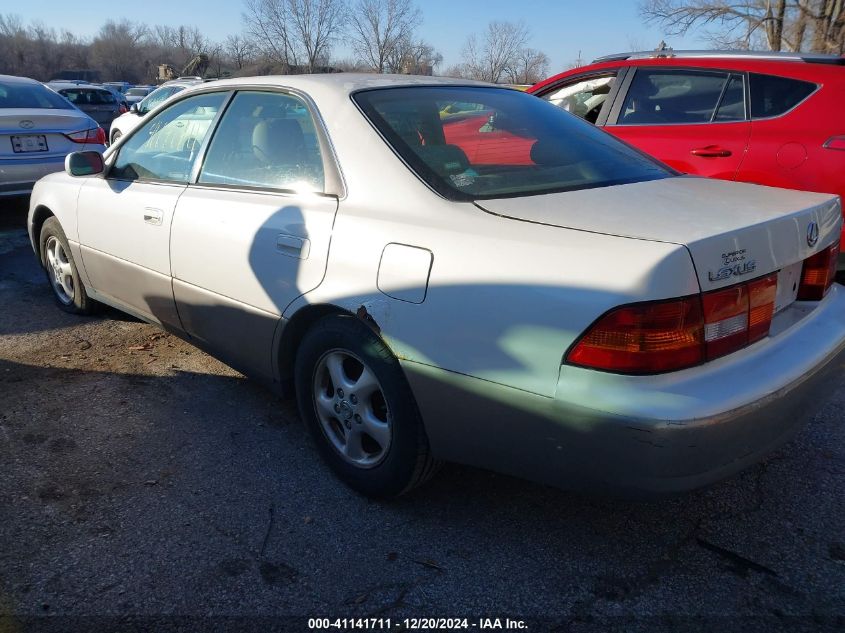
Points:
x=146, y=486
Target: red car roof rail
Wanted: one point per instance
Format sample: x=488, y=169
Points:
x=812, y=58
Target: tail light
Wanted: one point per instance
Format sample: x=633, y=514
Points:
x=818, y=273
x=835, y=142
x=661, y=336
x=645, y=338
x=122, y=109
x=95, y=136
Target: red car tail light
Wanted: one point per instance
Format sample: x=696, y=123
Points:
x=95, y=136
x=661, y=336
x=835, y=142
x=818, y=274
x=645, y=338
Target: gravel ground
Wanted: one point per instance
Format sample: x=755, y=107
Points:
x=146, y=486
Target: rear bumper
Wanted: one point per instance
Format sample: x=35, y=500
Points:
x=642, y=435
x=18, y=175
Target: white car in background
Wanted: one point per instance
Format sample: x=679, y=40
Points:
x=511, y=287
x=126, y=122
x=38, y=128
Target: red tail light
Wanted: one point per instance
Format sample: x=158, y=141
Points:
x=818, y=274
x=835, y=142
x=661, y=336
x=122, y=109
x=95, y=136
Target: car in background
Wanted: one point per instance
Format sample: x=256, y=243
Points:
x=38, y=128
x=97, y=102
x=137, y=111
x=137, y=93
x=120, y=86
x=563, y=315
x=123, y=104
x=767, y=118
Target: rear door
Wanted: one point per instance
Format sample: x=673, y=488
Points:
x=252, y=232
x=695, y=120
x=125, y=218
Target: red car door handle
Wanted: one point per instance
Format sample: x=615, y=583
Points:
x=711, y=151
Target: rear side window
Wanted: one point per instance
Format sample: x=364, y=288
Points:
x=772, y=96
x=658, y=97
x=265, y=140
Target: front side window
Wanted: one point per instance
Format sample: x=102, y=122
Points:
x=772, y=96
x=165, y=147
x=507, y=143
x=660, y=97
x=265, y=139
x=26, y=95
x=584, y=98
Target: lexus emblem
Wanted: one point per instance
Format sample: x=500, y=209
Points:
x=812, y=234
x=27, y=124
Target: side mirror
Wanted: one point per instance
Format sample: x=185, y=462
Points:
x=84, y=163
x=134, y=108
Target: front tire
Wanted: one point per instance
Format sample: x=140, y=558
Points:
x=360, y=410
x=68, y=290
x=115, y=136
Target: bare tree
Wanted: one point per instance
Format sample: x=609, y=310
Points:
x=240, y=50
x=528, y=67
x=817, y=25
x=489, y=57
x=413, y=58
x=295, y=32
x=380, y=29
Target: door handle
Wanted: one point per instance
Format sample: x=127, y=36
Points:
x=293, y=246
x=153, y=216
x=711, y=151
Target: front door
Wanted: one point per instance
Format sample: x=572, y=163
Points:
x=252, y=234
x=693, y=120
x=125, y=218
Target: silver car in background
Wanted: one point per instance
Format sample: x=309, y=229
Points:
x=38, y=128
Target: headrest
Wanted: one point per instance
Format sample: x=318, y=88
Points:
x=444, y=159
x=552, y=154
x=278, y=141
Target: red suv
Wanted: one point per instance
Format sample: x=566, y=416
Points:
x=769, y=118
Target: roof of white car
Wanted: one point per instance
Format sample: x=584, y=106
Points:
x=345, y=83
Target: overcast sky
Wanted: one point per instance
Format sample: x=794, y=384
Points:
x=560, y=28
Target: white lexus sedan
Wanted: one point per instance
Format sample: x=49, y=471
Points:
x=443, y=270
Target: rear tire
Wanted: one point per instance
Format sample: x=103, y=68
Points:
x=115, y=136
x=360, y=410
x=58, y=263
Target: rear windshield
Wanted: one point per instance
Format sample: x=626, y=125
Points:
x=471, y=143
x=87, y=96
x=25, y=95
x=137, y=92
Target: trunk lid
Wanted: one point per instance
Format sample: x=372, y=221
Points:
x=733, y=231
x=52, y=124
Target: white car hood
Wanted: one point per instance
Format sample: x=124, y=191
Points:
x=721, y=223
